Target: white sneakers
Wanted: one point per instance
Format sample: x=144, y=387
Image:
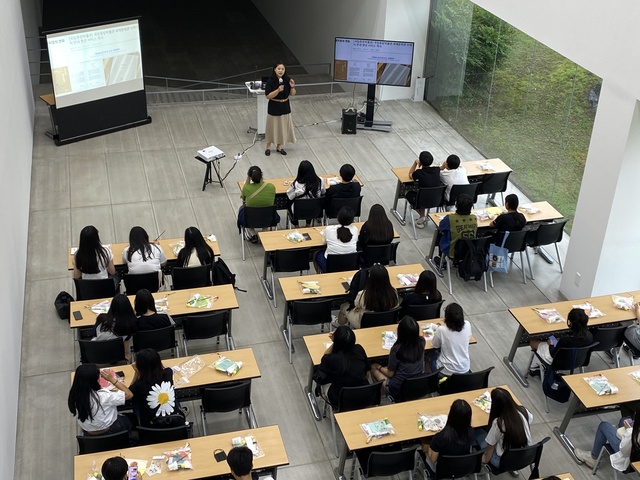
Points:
x=420, y=222
x=584, y=456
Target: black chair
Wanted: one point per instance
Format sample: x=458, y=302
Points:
x=308, y=209
x=425, y=199
x=633, y=352
x=470, y=189
x=225, y=398
x=342, y=263
x=515, y=242
x=102, y=443
x=385, y=462
x=456, y=466
x=92, y=289
x=158, y=339
x=102, y=352
x=609, y=339
x=206, y=325
x=493, y=183
x=379, y=319
x=609, y=450
x=463, y=382
x=257, y=217
x=307, y=312
x=135, y=282
x=183, y=278
x=290, y=260
x=353, y=398
x=382, y=254
x=333, y=206
x=519, y=458
x=546, y=234
x=425, y=312
x=418, y=387
x=149, y=436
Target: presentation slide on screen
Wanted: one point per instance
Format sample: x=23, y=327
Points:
x=381, y=62
x=95, y=62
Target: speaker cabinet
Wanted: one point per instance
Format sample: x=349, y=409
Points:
x=349, y=120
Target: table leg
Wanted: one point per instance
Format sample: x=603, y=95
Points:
x=394, y=209
x=339, y=471
x=229, y=325
x=265, y=282
x=560, y=431
x=311, y=398
x=285, y=326
x=508, y=360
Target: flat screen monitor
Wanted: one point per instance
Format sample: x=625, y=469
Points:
x=95, y=62
x=380, y=62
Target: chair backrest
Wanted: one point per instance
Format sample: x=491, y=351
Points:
x=394, y=251
x=494, y=183
x=102, y=443
x=418, y=387
x=102, y=352
x=390, y=463
x=458, y=466
x=149, y=436
x=379, y=319
x=608, y=337
x=570, y=358
x=308, y=208
x=520, y=458
x=470, y=189
x=191, y=277
x=205, y=325
x=260, y=217
x=425, y=312
x=290, y=260
x=333, y=206
x=430, y=197
x=515, y=242
x=311, y=312
x=463, y=382
x=356, y=398
x=547, y=233
x=133, y=283
x=342, y=263
x=227, y=397
x=381, y=254
x=92, y=289
x=158, y=339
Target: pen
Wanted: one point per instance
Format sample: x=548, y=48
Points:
x=158, y=237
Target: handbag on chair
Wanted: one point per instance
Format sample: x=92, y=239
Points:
x=499, y=256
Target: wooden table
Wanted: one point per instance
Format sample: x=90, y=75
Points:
x=177, y=304
x=583, y=394
x=531, y=325
x=406, y=183
x=117, y=249
x=283, y=184
x=276, y=240
x=403, y=418
x=369, y=338
x=204, y=465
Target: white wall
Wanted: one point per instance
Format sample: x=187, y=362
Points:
x=16, y=137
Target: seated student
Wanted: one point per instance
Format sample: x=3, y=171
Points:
x=624, y=441
x=142, y=256
x=119, y=321
x=632, y=333
x=92, y=260
x=451, y=173
x=452, y=339
x=115, y=468
x=240, y=460
x=424, y=293
x=426, y=176
x=456, y=438
x=148, y=316
x=341, y=239
x=347, y=188
x=377, y=230
x=256, y=193
x=196, y=251
x=461, y=224
x=306, y=185
x=512, y=220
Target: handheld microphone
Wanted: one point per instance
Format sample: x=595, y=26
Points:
x=280, y=80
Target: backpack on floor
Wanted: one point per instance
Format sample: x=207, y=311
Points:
x=223, y=276
x=554, y=386
x=63, y=305
x=473, y=263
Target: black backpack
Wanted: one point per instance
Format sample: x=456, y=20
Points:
x=472, y=255
x=223, y=276
x=63, y=305
x=554, y=386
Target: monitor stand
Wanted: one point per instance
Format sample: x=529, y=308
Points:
x=369, y=123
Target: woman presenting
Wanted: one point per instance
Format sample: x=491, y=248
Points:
x=279, y=129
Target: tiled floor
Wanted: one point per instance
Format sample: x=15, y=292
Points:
x=148, y=176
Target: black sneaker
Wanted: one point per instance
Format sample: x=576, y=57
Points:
x=534, y=372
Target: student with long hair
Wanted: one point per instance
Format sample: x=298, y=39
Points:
x=196, y=251
x=344, y=364
x=424, y=293
x=406, y=358
x=508, y=427
x=119, y=321
x=306, y=185
x=456, y=438
x=154, y=398
x=377, y=230
x=148, y=316
x=340, y=239
x=92, y=261
x=452, y=339
x=141, y=256
x=378, y=296
x=96, y=407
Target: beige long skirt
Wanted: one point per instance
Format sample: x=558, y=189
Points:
x=279, y=129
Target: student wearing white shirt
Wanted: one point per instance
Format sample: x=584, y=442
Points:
x=340, y=239
x=92, y=261
x=451, y=173
x=452, y=339
x=142, y=256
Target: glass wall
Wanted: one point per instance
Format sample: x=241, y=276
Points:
x=512, y=98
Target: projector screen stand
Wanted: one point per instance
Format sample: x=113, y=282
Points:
x=369, y=123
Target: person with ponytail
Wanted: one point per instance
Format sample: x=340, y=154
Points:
x=341, y=239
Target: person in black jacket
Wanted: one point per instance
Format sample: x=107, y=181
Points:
x=512, y=220
x=347, y=188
